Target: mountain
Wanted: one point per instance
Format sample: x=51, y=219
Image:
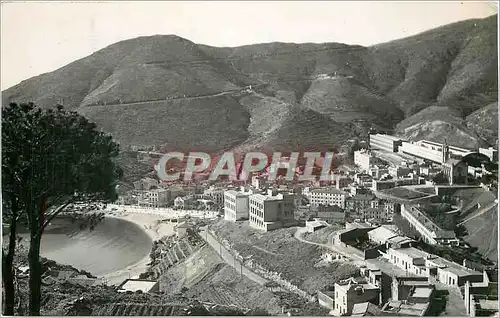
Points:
x=168, y=92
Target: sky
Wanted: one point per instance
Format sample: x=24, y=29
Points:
x=40, y=37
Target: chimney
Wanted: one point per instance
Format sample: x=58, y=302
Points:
x=464, y=263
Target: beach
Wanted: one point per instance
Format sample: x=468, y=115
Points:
x=147, y=219
x=151, y=226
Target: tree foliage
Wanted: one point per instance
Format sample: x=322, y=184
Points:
x=50, y=159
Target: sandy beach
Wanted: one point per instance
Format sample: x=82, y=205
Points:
x=155, y=230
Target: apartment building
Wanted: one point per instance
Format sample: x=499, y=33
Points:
x=155, y=198
x=431, y=233
x=353, y=291
x=236, y=205
x=355, y=205
x=420, y=263
x=327, y=196
x=342, y=181
x=214, y=194
x=385, y=142
x=388, y=207
x=270, y=211
x=363, y=159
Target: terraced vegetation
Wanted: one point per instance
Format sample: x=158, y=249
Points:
x=278, y=251
x=169, y=252
x=204, y=276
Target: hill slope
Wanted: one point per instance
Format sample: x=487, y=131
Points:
x=167, y=91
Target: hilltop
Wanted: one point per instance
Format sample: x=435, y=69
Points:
x=169, y=92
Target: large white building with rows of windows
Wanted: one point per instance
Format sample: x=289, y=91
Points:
x=236, y=205
x=327, y=196
x=270, y=211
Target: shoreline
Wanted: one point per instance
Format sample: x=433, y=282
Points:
x=155, y=231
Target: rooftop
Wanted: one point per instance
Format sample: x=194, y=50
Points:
x=453, y=267
x=362, y=197
x=382, y=233
x=406, y=308
x=327, y=190
x=134, y=285
x=387, y=137
x=412, y=252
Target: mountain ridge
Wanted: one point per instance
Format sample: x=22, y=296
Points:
x=167, y=91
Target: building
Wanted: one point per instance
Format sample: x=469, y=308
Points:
x=384, y=235
x=355, y=205
x=327, y=196
x=412, y=179
x=363, y=179
x=366, y=309
x=399, y=171
x=236, y=205
x=432, y=151
x=214, y=194
x=420, y=263
x=385, y=142
x=455, y=171
x=363, y=159
x=155, y=198
x=145, y=184
x=490, y=152
x=377, y=172
x=270, y=211
x=389, y=208
x=411, y=296
x=259, y=182
x=186, y=202
x=143, y=285
x=341, y=181
x=477, y=302
x=431, y=233
x=330, y=214
x=353, y=291
x=313, y=226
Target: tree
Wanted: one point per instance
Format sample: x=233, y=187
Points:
x=51, y=159
x=440, y=178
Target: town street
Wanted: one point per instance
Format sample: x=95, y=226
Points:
x=229, y=258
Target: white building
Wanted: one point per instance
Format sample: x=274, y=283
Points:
x=431, y=233
x=155, y=198
x=353, y=291
x=363, y=159
x=420, y=263
x=385, y=142
x=490, y=152
x=236, y=205
x=270, y=211
x=327, y=196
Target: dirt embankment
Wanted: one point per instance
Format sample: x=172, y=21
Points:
x=278, y=251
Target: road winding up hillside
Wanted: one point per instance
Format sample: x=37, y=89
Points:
x=167, y=91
